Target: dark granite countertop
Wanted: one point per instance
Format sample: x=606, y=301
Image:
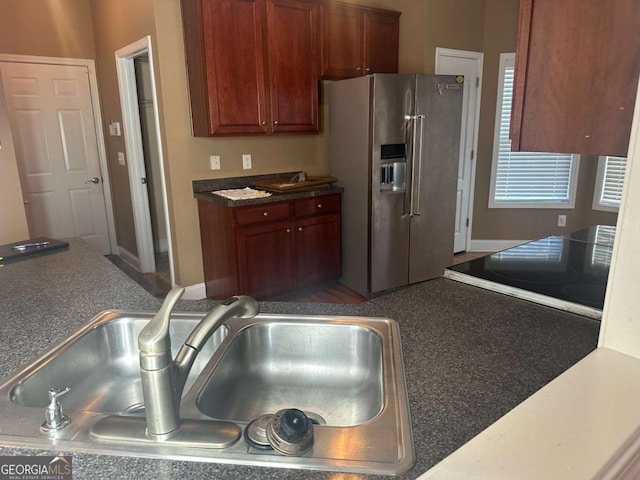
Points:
x=202, y=190
x=470, y=355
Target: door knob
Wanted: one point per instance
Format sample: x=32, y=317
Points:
x=95, y=180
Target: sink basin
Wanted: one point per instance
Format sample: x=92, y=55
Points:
x=346, y=373
x=329, y=369
x=102, y=366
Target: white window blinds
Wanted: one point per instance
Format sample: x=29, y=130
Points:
x=609, y=182
x=526, y=179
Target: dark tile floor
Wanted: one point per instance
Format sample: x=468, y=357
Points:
x=157, y=283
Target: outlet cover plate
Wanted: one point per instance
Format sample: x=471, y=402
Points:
x=246, y=161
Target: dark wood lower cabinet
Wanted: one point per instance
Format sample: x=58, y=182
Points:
x=265, y=259
x=270, y=249
x=317, y=253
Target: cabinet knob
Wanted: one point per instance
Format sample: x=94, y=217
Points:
x=264, y=122
x=358, y=69
x=276, y=122
x=266, y=214
x=367, y=69
x=300, y=229
x=319, y=205
x=288, y=230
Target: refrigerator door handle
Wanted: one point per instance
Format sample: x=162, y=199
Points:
x=409, y=130
x=416, y=178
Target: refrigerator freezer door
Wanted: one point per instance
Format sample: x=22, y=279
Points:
x=393, y=101
x=437, y=143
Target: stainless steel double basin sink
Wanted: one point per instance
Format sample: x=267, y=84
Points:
x=346, y=373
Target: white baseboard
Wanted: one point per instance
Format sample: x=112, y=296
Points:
x=493, y=245
x=195, y=292
x=129, y=257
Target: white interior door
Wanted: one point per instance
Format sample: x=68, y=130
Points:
x=52, y=123
x=469, y=64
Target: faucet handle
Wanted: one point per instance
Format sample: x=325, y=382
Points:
x=54, y=418
x=154, y=338
x=54, y=393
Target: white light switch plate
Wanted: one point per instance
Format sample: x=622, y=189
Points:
x=562, y=220
x=121, y=160
x=246, y=161
x=215, y=162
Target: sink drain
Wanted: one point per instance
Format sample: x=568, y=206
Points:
x=256, y=433
x=315, y=418
x=290, y=432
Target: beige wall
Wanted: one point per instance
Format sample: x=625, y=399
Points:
x=14, y=221
x=116, y=24
x=48, y=28
x=500, y=32
x=452, y=24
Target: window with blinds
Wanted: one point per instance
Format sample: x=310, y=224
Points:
x=609, y=182
x=526, y=179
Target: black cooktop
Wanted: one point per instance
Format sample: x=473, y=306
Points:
x=573, y=267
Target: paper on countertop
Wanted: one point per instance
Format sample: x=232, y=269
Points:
x=242, y=193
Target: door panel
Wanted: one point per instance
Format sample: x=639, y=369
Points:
x=51, y=115
x=265, y=256
x=468, y=64
x=438, y=108
x=294, y=46
x=393, y=99
x=317, y=249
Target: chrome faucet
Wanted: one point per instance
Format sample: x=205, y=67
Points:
x=163, y=378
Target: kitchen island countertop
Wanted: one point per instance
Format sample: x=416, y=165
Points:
x=470, y=355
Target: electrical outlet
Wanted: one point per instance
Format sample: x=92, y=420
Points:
x=246, y=161
x=562, y=220
x=215, y=162
x=121, y=160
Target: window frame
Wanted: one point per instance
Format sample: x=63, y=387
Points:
x=599, y=186
x=507, y=60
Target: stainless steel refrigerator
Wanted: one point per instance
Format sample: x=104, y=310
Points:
x=393, y=145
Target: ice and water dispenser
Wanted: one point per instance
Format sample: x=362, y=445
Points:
x=393, y=163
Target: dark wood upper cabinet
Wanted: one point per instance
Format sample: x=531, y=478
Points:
x=381, y=39
x=294, y=46
x=226, y=59
x=356, y=41
x=252, y=65
x=577, y=68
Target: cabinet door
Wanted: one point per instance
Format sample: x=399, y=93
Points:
x=342, y=42
x=233, y=64
x=317, y=249
x=265, y=259
x=577, y=67
x=381, y=40
x=293, y=31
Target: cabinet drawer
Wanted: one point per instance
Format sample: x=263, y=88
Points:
x=317, y=205
x=262, y=213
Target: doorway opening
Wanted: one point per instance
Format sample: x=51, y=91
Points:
x=468, y=64
x=143, y=143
